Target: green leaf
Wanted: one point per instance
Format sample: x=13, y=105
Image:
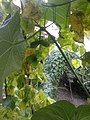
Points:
x=27, y=25
x=1, y=16
x=32, y=60
x=21, y=81
x=9, y=102
x=61, y=110
x=6, y=5
x=86, y=59
x=83, y=112
x=35, y=44
x=11, y=47
x=67, y=38
x=57, y=14
x=45, y=43
x=80, y=5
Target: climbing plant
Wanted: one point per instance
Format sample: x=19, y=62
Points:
x=25, y=42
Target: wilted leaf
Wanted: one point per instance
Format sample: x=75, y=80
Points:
x=29, y=52
x=32, y=10
x=83, y=6
x=76, y=21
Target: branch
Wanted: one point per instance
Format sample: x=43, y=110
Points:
x=25, y=40
x=57, y=5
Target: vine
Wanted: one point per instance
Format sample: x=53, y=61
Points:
x=23, y=50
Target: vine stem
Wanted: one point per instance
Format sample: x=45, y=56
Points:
x=25, y=40
x=71, y=68
x=57, y=5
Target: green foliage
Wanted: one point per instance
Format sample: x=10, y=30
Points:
x=86, y=59
x=24, y=50
x=84, y=8
x=27, y=25
x=16, y=114
x=63, y=110
x=24, y=93
x=10, y=51
x=54, y=66
x=9, y=102
x=52, y=11
x=53, y=112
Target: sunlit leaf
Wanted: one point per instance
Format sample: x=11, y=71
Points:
x=67, y=38
x=22, y=105
x=76, y=63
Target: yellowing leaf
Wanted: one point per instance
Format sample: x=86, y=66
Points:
x=76, y=21
x=29, y=52
x=32, y=10
x=40, y=97
x=51, y=100
x=76, y=63
x=22, y=105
